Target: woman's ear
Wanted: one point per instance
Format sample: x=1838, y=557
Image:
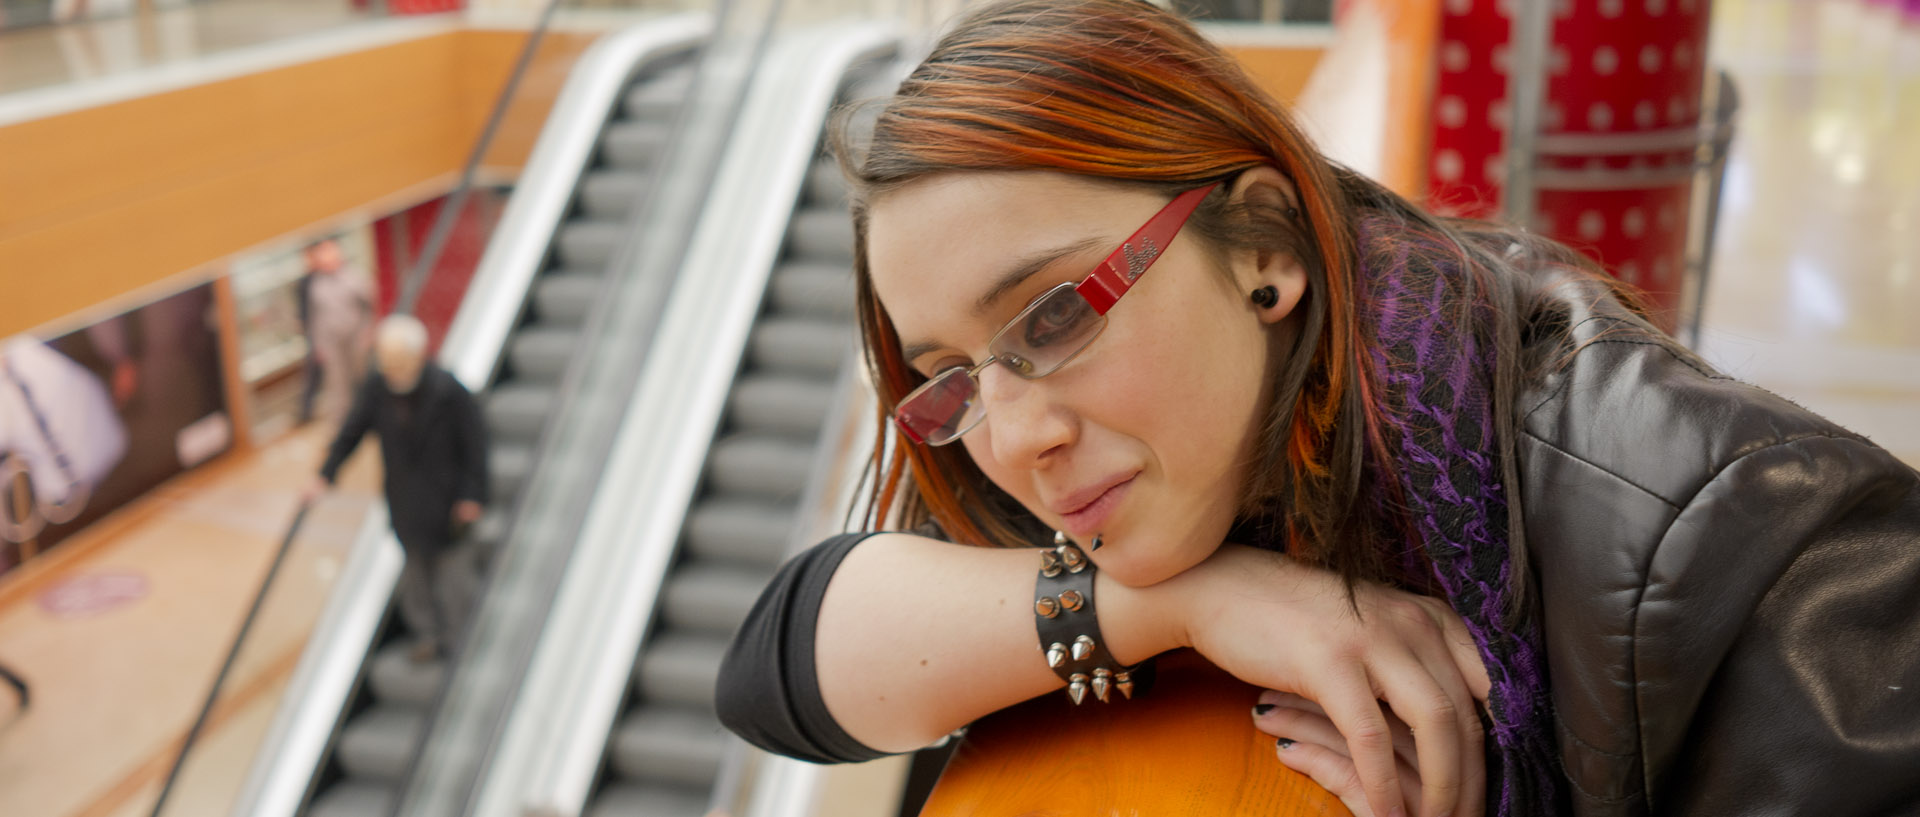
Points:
x=1273, y=281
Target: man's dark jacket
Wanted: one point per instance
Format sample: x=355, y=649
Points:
x=433, y=444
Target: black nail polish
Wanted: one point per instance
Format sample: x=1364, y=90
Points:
x=1261, y=709
x=1284, y=744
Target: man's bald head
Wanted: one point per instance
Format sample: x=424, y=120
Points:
x=400, y=350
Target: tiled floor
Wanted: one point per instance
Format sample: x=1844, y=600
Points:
x=116, y=685
x=1816, y=288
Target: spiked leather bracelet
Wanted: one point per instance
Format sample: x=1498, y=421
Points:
x=1069, y=627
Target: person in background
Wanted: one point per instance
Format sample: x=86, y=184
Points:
x=434, y=450
x=336, y=311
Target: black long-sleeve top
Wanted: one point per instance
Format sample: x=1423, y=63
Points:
x=769, y=693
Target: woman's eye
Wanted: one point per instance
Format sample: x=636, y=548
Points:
x=1056, y=320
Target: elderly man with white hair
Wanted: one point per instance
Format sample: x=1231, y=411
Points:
x=433, y=444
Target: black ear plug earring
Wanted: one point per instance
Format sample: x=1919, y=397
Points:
x=1265, y=297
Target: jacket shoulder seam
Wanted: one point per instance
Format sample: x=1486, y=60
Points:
x=1710, y=375
x=1590, y=464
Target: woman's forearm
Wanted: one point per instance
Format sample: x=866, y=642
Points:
x=918, y=637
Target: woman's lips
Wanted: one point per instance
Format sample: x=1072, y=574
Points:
x=1092, y=517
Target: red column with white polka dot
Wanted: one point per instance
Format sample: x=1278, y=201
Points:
x=1618, y=134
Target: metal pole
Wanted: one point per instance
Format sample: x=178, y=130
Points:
x=1527, y=98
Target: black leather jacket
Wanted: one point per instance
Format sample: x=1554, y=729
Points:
x=1730, y=584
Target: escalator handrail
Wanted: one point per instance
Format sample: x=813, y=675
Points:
x=321, y=683
x=555, y=736
x=514, y=256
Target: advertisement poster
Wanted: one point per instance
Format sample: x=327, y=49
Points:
x=97, y=417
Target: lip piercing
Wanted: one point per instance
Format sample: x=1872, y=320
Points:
x=1096, y=543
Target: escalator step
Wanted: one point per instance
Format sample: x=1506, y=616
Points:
x=801, y=345
x=760, y=465
x=565, y=300
x=826, y=185
x=610, y=195
x=380, y=743
x=813, y=290
x=630, y=800
x=635, y=144
x=509, y=465
x=821, y=234
x=518, y=410
x=739, y=531
x=396, y=679
x=709, y=598
x=659, y=96
x=589, y=244
x=674, y=746
x=680, y=668
x=781, y=404
x=540, y=354
x=353, y=799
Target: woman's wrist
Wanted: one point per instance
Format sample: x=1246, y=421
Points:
x=1139, y=622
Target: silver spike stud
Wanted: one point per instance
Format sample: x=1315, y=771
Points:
x=1059, y=538
x=1073, y=558
x=1072, y=600
x=1049, y=563
x=1056, y=655
x=1046, y=607
x=1083, y=648
x=1102, y=682
x=1077, y=688
x=1124, y=680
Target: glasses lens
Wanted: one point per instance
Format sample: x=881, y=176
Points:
x=1048, y=333
x=941, y=409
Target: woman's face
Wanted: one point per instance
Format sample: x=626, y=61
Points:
x=1144, y=437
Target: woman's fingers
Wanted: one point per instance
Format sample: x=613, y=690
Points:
x=1300, y=725
x=1461, y=646
x=1335, y=773
x=1285, y=703
x=1351, y=706
x=1439, y=662
x=1410, y=689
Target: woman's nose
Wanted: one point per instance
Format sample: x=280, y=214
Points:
x=1023, y=422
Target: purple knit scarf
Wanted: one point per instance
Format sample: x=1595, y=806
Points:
x=1435, y=376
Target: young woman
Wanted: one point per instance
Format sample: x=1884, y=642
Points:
x=1111, y=296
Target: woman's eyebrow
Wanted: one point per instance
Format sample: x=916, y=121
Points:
x=1024, y=268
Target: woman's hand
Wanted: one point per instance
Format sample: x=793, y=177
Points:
x=1277, y=624
x=1307, y=742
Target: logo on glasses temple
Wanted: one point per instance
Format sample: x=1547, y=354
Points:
x=1137, y=262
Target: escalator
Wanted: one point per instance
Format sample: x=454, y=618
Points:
x=667, y=748
x=745, y=446
x=521, y=366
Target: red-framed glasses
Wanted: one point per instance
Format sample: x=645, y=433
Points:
x=1052, y=329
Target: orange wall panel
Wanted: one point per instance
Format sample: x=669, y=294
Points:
x=1281, y=71
x=102, y=202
